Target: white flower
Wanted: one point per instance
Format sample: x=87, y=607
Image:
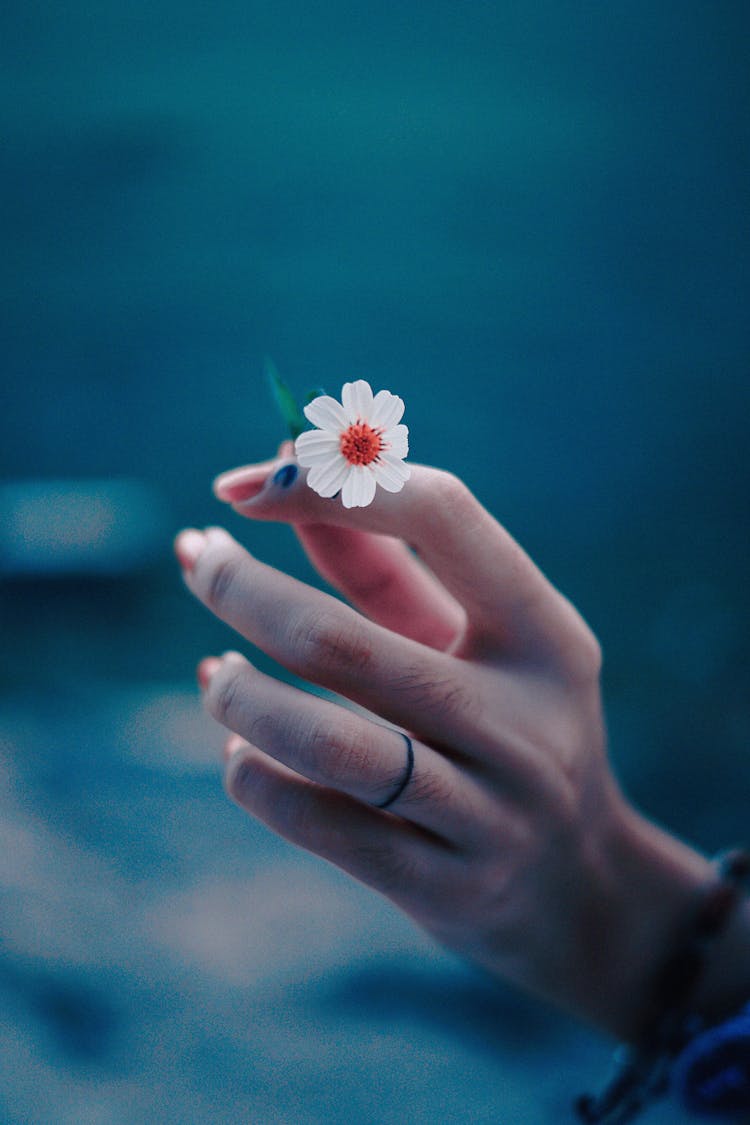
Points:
x=358, y=444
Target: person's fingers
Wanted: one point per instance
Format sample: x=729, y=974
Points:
x=377, y=574
x=382, y=578
x=339, y=749
x=320, y=639
x=393, y=856
x=249, y=480
x=511, y=606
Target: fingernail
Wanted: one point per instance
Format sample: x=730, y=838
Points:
x=188, y=547
x=286, y=475
x=219, y=537
x=234, y=743
x=206, y=670
x=240, y=484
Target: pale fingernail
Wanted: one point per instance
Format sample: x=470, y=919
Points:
x=188, y=546
x=206, y=670
x=240, y=484
x=234, y=743
x=218, y=535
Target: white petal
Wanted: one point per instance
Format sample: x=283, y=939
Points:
x=391, y=473
x=396, y=440
x=387, y=410
x=315, y=446
x=396, y=463
x=359, y=487
x=328, y=479
x=357, y=400
x=367, y=485
x=326, y=413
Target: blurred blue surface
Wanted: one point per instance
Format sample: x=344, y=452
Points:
x=530, y=221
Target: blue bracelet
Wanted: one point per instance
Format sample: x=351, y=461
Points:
x=712, y=1075
x=710, y=1065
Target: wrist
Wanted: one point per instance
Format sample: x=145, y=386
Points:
x=645, y=886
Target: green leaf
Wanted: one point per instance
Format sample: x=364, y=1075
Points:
x=314, y=394
x=285, y=401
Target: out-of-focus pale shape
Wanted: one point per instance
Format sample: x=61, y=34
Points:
x=58, y=527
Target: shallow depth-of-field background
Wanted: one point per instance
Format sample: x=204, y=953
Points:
x=530, y=221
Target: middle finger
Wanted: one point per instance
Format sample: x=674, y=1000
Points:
x=320, y=639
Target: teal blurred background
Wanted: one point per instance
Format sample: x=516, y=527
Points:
x=530, y=221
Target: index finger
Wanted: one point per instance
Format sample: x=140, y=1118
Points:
x=509, y=603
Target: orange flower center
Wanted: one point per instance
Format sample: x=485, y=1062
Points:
x=360, y=444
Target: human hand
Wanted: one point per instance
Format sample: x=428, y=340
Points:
x=511, y=842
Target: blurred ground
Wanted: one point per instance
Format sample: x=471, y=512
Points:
x=166, y=960
x=529, y=220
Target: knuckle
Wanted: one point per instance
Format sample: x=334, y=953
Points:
x=497, y=882
x=341, y=750
x=585, y=659
x=263, y=726
x=594, y=655
x=450, y=493
x=384, y=866
x=326, y=642
x=457, y=700
x=427, y=787
x=221, y=580
x=241, y=778
x=447, y=698
x=223, y=696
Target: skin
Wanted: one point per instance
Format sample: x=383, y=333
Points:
x=512, y=843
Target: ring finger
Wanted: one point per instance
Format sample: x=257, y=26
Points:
x=336, y=748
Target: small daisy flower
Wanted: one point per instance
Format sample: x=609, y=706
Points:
x=358, y=444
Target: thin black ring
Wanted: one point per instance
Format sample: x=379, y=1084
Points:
x=408, y=771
